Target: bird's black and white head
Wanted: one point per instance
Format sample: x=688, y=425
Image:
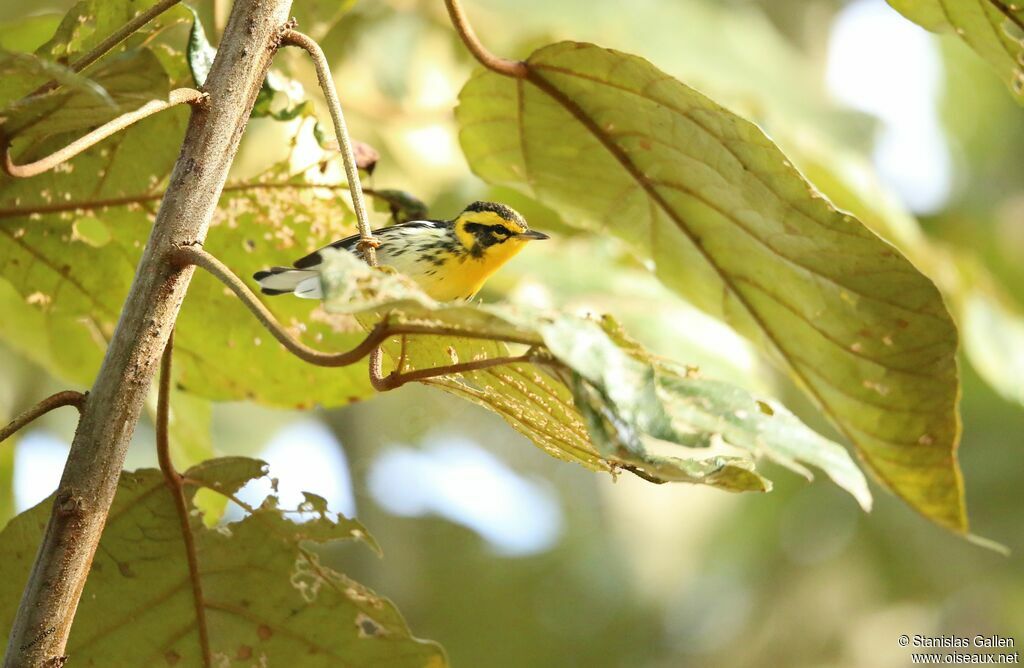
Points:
x=493, y=231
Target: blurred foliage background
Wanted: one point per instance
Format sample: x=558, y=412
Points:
x=510, y=558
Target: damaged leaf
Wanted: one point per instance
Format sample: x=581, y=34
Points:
x=266, y=596
x=602, y=400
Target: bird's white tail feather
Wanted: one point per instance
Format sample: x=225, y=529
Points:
x=309, y=288
x=304, y=283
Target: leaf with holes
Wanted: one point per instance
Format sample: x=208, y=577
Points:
x=73, y=236
x=71, y=248
x=255, y=593
x=269, y=220
x=615, y=145
x=993, y=28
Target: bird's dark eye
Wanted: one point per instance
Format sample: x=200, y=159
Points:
x=500, y=231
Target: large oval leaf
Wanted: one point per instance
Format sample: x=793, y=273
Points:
x=616, y=145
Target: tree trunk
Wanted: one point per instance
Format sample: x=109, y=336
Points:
x=83, y=499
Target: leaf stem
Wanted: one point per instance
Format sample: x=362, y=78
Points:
x=65, y=398
x=504, y=66
x=176, y=97
x=176, y=485
x=367, y=244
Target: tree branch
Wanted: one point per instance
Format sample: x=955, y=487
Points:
x=194, y=255
x=65, y=398
x=176, y=97
x=113, y=40
x=509, y=68
x=175, y=484
x=367, y=244
x=41, y=628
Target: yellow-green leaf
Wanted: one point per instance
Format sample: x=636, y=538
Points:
x=993, y=28
x=602, y=400
x=615, y=145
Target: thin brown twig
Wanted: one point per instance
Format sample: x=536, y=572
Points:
x=176, y=97
x=194, y=255
x=175, y=484
x=376, y=369
x=113, y=40
x=510, y=68
x=65, y=398
x=367, y=244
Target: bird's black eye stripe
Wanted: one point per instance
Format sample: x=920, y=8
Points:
x=500, y=230
x=477, y=230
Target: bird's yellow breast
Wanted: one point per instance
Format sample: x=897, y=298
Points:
x=448, y=276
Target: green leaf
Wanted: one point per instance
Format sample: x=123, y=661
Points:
x=615, y=145
x=614, y=435
x=625, y=398
x=227, y=475
x=70, y=240
x=280, y=98
x=21, y=72
x=678, y=407
x=28, y=33
x=270, y=220
x=265, y=595
x=200, y=52
x=89, y=22
x=991, y=323
x=118, y=85
x=993, y=28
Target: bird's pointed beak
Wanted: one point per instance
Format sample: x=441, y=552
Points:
x=533, y=235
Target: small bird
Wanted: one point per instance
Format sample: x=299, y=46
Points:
x=448, y=259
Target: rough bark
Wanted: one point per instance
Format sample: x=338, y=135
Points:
x=83, y=499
